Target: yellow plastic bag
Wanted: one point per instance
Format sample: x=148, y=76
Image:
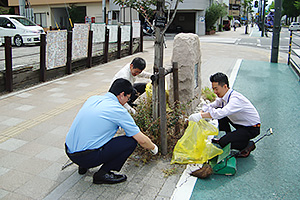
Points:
x=148, y=90
x=193, y=147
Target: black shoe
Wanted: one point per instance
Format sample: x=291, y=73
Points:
x=246, y=152
x=82, y=170
x=108, y=178
x=216, y=141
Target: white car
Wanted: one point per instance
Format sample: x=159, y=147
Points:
x=20, y=29
x=295, y=26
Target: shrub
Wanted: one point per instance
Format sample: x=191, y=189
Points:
x=213, y=13
x=176, y=115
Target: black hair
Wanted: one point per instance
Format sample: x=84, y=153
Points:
x=139, y=63
x=220, y=78
x=121, y=85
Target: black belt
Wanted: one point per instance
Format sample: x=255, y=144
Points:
x=78, y=153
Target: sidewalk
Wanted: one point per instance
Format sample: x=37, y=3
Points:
x=34, y=123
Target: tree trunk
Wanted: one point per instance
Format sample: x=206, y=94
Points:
x=158, y=57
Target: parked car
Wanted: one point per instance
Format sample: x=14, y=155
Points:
x=20, y=29
x=295, y=26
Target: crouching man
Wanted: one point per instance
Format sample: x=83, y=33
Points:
x=131, y=72
x=90, y=141
x=231, y=108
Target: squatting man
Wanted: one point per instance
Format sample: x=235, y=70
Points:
x=130, y=72
x=90, y=141
x=231, y=108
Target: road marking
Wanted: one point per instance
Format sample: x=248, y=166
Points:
x=218, y=40
x=258, y=42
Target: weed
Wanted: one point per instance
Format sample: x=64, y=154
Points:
x=169, y=172
x=208, y=94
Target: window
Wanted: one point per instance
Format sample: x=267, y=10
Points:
x=40, y=19
x=115, y=15
x=6, y=23
x=24, y=21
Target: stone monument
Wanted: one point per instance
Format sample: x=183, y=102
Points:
x=187, y=53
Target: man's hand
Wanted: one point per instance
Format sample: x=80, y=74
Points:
x=155, y=150
x=132, y=110
x=195, y=117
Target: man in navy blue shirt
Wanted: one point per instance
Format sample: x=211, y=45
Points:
x=90, y=141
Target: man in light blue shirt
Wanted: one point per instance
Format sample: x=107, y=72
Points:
x=90, y=141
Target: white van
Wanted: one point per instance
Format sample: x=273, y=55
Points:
x=20, y=29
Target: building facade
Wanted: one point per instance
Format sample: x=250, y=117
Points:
x=235, y=9
x=55, y=13
x=190, y=16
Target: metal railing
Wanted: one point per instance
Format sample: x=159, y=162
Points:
x=294, y=53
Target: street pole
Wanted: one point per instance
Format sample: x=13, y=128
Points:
x=276, y=32
x=263, y=19
x=260, y=12
x=104, y=11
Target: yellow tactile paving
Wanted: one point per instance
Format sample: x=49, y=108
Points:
x=17, y=129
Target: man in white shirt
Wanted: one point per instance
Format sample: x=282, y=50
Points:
x=130, y=72
x=233, y=108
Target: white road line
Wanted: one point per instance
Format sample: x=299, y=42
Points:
x=258, y=43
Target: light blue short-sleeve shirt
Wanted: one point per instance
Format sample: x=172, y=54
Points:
x=97, y=122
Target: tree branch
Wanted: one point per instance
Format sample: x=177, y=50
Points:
x=172, y=18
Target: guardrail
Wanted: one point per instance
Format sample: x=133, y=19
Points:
x=294, y=53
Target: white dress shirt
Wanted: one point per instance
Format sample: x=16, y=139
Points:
x=126, y=74
x=236, y=107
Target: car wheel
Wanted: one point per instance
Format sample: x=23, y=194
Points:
x=18, y=41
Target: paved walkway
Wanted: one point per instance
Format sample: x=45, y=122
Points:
x=34, y=123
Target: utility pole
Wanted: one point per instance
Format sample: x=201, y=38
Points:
x=263, y=18
x=276, y=32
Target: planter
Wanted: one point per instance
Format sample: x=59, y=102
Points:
x=210, y=32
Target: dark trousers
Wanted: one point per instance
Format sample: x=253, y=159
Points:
x=240, y=137
x=112, y=155
x=138, y=89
